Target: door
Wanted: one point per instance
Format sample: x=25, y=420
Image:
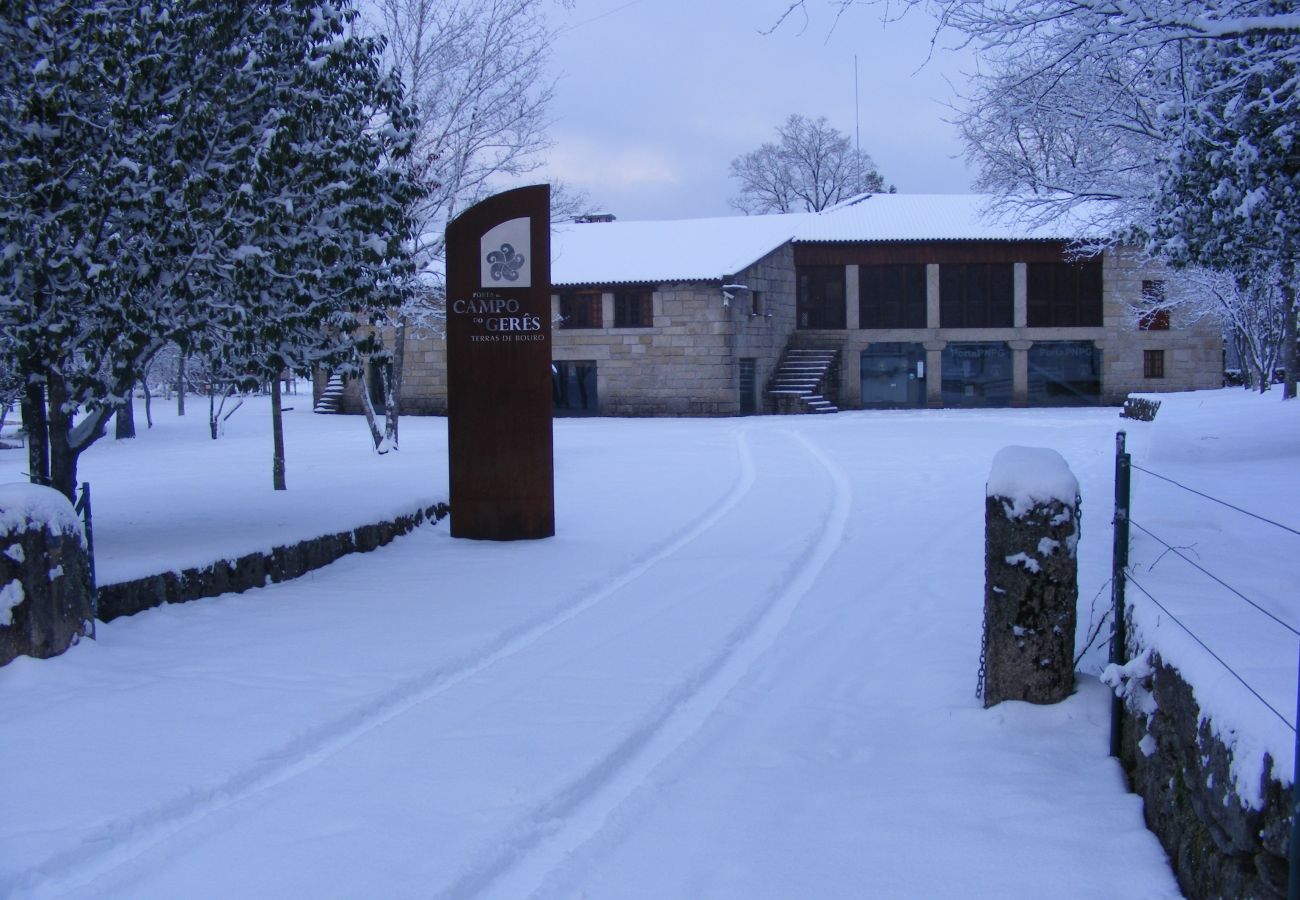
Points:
x=893, y=374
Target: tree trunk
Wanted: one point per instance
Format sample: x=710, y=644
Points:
x=148, y=399
x=124, y=426
x=393, y=387
x=212, y=412
x=180, y=387
x=368, y=408
x=63, y=457
x=277, y=437
x=1288, y=329
x=36, y=426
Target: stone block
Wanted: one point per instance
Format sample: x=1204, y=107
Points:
x=1030, y=577
x=47, y=597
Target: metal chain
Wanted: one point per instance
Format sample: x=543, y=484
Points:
x=984, y=645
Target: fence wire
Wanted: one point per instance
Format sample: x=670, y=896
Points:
x=1287, y=722
x=1195, y=565
x=1245, y=512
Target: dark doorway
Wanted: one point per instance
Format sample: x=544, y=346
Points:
x=748, y=385
x=573, y=388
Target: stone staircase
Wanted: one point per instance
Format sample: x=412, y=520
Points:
x=805, y=381
x=331, y=398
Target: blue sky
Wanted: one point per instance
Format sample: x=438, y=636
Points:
x=656, y=97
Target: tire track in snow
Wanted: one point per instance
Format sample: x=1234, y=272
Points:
x=120, y=841
x=577, y=814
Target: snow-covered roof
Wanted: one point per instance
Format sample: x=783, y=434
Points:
x=712, y=249
x=674, y=250
x=930, y=217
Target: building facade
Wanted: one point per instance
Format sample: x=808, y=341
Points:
x=915, y=302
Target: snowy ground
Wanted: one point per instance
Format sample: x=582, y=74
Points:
x=744, y=668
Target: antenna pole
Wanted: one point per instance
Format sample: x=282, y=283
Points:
x=857, y=128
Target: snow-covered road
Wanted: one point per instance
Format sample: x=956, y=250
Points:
x=744, y=668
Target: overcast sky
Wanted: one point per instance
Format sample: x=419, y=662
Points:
x=656, y=97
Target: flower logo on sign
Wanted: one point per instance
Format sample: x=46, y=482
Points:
x=505, y=263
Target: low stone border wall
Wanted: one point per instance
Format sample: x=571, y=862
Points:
x=1217, y=844
x=254, y=569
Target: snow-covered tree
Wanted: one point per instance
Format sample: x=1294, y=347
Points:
x=139, y=198
x=810, y=167
x=1247, y=307
x=475, y=71
x=1228, y=197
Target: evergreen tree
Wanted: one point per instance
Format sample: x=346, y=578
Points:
x=146, y=154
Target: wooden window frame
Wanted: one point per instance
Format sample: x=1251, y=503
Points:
x=1153, y=364
x=580, y=310
x=634, y=309
x=1155, y=316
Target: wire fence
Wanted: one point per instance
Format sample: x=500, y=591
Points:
x=1127, y=573
x=1123, y=576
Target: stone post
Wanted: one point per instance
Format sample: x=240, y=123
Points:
x=46, y=593
x=1030, y=577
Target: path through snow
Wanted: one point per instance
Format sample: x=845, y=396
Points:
x=744, y=668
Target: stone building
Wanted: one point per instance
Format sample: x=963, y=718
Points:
x=889, y=301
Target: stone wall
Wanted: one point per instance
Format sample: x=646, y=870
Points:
x=1217, y=844
x=763, y=337
x=1193, y=352
x=254, y=569
x=687, y=364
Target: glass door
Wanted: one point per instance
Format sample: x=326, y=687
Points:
x=893, y=374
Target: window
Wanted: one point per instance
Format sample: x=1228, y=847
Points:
x=1064, y=295
x=976, y=295
x=1155, y=315
x=821, y=297
x=1153, y=364
x=891, y=296
x=580, y=310
x=976, y=375
x=633, y=309
x=1064, y=373
x=755, y=303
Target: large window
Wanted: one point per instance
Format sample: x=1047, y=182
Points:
x=633, y=309
x=580, y=310
x=1065, y=295
x=573, y=388
x=977, y=374
x=891, y=296
x=976, y=295
x=1064, y=373
x=821, y=297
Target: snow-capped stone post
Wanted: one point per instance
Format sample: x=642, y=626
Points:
x=46, y=592
x=1031, y=588
x=499, y=443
